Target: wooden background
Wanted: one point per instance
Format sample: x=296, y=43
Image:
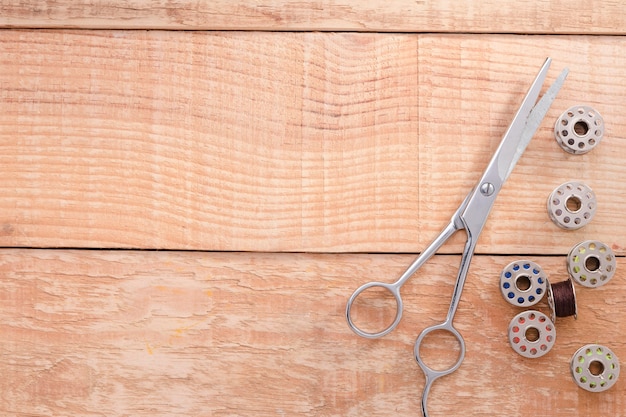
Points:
x=191, y=191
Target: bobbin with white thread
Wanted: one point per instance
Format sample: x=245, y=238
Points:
x=523, y=283
x=563, y=304
x=532, y=334
x=572, y=205
x=579, y=129
x=591, y=263
x=595, y=368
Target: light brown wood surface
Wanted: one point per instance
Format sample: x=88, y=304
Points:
x=254, y=166
x=292, y=142
x=168, y=333
x=477, y=16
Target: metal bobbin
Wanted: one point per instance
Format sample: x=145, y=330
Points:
x=523, y=283
x=595, y=368
x=579, y=129
x=572, y=205
x=591, y=263
x=532, y=334
x=562, y=299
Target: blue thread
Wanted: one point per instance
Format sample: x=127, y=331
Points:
x=510, y=295
x=515, y=267
x=520, y=300
x=540, y=280
x=526, y=266
x=535, y=271
x=531, y=298
x=507, y=274
x=539, y=291
x=506, y=285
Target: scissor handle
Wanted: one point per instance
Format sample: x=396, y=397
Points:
x=394, y=289
x=430, y=373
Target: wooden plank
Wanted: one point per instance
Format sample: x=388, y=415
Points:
x=470, y=88
x=327, y=157
x=162, y=333
x=481, y=16
x=227, y=141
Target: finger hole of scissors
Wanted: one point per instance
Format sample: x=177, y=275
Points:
x=439, y=350
x=374, y=309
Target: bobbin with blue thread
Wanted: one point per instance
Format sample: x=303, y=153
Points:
x=523, y=283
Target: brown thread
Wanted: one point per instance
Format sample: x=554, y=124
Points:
x=564, y=298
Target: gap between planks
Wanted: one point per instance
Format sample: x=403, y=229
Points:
x=480, y=16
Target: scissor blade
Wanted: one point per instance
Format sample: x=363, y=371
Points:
x=533, y=122
x=517, y=135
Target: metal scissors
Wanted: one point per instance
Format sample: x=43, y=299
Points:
x=471, y=216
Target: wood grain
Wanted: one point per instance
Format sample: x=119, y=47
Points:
x=96, y=333
x=480, y=16
x=208, y=141
x=273, y=138
x=291, y=141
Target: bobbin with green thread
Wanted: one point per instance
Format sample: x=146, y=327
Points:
x=591, y=263
x=595, y=368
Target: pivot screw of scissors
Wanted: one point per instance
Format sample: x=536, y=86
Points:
x=487, y=189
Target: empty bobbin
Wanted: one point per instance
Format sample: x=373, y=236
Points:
x=523, y=283
x=562, y=299
x=595, y=368
x=532, y=334
x=591, y=263
x=579, y=129
x=572, y=205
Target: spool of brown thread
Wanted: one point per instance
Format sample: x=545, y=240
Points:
x=562, y=299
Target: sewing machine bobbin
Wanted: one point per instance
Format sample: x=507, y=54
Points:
x=572, y=205
x=562, y=299
x=532, y=334
x=523, y=283
x=595, y=368
x=579, y=129
x=591, y=263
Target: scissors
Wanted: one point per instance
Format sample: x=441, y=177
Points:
x=471, y=216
